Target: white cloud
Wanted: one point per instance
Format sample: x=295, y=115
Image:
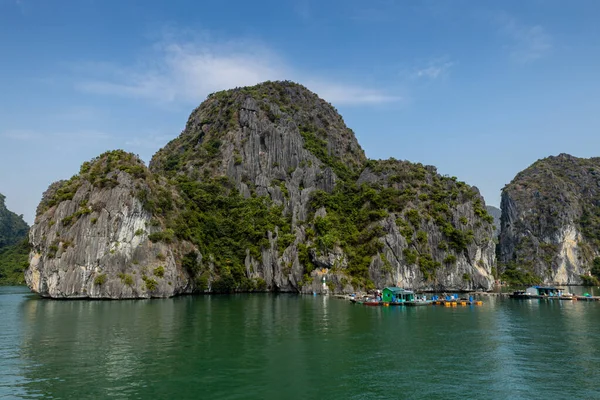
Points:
x=350, y=95
x=529, y=42
x=186, y=72
x=434, y=69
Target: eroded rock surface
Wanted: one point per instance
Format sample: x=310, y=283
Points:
x=91, y=238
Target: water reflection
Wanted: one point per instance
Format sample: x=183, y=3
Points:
x=261, y=346
x=110, y=343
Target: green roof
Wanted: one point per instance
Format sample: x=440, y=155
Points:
x=397, y=290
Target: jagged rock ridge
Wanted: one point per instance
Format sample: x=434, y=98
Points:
x=550, y=228
x=265, y=189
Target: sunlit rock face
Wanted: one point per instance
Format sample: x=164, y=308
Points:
x=551, y=219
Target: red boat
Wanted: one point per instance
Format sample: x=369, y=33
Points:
x=372, y=303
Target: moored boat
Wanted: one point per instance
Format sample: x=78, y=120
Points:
x=542, y=292
x=519, y=294
x=396, y=296
x=371, y=302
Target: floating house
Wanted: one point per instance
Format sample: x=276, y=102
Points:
x=543, y=291
x=397, y=295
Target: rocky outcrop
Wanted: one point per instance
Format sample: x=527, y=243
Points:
x=428, y=244
x=551, y=220
x=265, y=189
x=91, y=237
x=275, y=139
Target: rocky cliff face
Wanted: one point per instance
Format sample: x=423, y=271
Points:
x=275, y=139
x=91, y=237
x=551, y=220
x=437, y=234
x=265, y=189
x=496, y=214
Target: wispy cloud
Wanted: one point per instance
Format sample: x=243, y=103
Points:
x=177, y=71
x=434, y=69
x=528, y=42
x=351, y=95
x=38, y=136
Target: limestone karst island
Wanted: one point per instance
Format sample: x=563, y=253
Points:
x=267, y=189
x=299, y=200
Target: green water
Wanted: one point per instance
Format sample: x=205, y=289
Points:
x=296, y=347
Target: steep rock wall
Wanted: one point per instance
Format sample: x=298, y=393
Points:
x=551, y=219
x=94, y=242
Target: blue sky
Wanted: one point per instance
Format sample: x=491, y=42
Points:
x=480, y=89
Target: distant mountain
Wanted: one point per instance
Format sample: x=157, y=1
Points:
x=13, y=228
x=496, y=213
x=14, y=249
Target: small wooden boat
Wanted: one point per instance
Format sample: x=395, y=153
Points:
x=371, y=303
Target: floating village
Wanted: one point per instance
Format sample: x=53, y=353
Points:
x=396, y=296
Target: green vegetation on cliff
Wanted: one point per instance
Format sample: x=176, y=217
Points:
x=415, y=196
x=14, y=250
x=13, y=228
x=13, y=262
x=214, y=127
x=100, y=172
x=515, y=275
x=594, y=278
x=224, y=226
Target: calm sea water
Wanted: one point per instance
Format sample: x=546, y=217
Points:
x=296, y=347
